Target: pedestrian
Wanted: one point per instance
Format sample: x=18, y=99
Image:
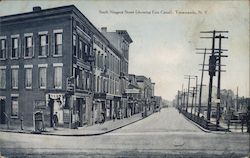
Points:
x=55, y=120
x=113, y=117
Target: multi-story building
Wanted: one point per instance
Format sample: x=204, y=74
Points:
x=134, y=96
x=121, y=40
x=147, y=93
x=48, y=65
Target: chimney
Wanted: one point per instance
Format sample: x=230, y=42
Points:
x=104, y=29
x=37, y=8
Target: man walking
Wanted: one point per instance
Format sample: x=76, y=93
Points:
x=55, y=120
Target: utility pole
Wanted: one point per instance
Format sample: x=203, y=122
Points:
x=212, y=68
x=196, y=88
x=178, y=97
x=189, y=77
x=219, y=80
x=202, y=73
x=237, y=96
x=184, y=94
x=193, y=93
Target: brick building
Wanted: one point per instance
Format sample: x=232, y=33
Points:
x=56, y=61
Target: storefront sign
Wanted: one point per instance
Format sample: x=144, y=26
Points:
x=66, y=116
x=133, y=91
x=40, y=104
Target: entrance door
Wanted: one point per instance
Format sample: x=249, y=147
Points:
x=79, y=108
x=2, y=110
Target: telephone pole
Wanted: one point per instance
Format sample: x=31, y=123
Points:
x=189, y=77
x=192, y=105
x=219, y=79
x=202, y=73
x=212, y=67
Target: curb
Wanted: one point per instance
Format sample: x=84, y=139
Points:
x=71, y=135
x=94, y=134
x=203, y=129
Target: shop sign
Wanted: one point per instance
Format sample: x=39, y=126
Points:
x=132, y=91
x=66, y=115
x=40, y=104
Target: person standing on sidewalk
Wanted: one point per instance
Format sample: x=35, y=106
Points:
x=55, y=120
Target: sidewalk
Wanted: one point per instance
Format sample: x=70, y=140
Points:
x=93, y=130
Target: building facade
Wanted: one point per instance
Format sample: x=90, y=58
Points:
x=56, y=61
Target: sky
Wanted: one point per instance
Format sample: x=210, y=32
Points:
x=165, y=40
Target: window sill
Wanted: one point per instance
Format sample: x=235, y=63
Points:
x=14, y=58
x=28, y=57
x=42, y=88
x=14, y=88
x=57, y=56
x=28, y=88
x=14, y=117
x=3, y=59
x=42, y=56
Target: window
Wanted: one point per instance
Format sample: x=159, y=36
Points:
x=42, y=77
x=28, y=77
x=2, y=78
x=44, y=45
x=58, y=44
x=14, y=45
x=3, y=49
x=14, y=106
x=58, y=77
x=80, y=49
x=74, y=45
x=14, y=78
x=28, y=46
x=83, y=74
x=86, y=49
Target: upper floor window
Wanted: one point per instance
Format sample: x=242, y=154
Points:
x=58, y=77
x=74, y=45
x=28, y=46
x=58, y=44
x=42, y=77
x=80, y=55
x=2, y=78
x=14, y=78
x=14, y=48
x=44, y=45
x=3, y=49
x=28, y=78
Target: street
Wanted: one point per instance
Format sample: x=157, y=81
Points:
x=163, y=134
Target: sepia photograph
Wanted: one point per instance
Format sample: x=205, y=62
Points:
x=124, y=79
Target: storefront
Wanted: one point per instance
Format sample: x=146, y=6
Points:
x=56, y=105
